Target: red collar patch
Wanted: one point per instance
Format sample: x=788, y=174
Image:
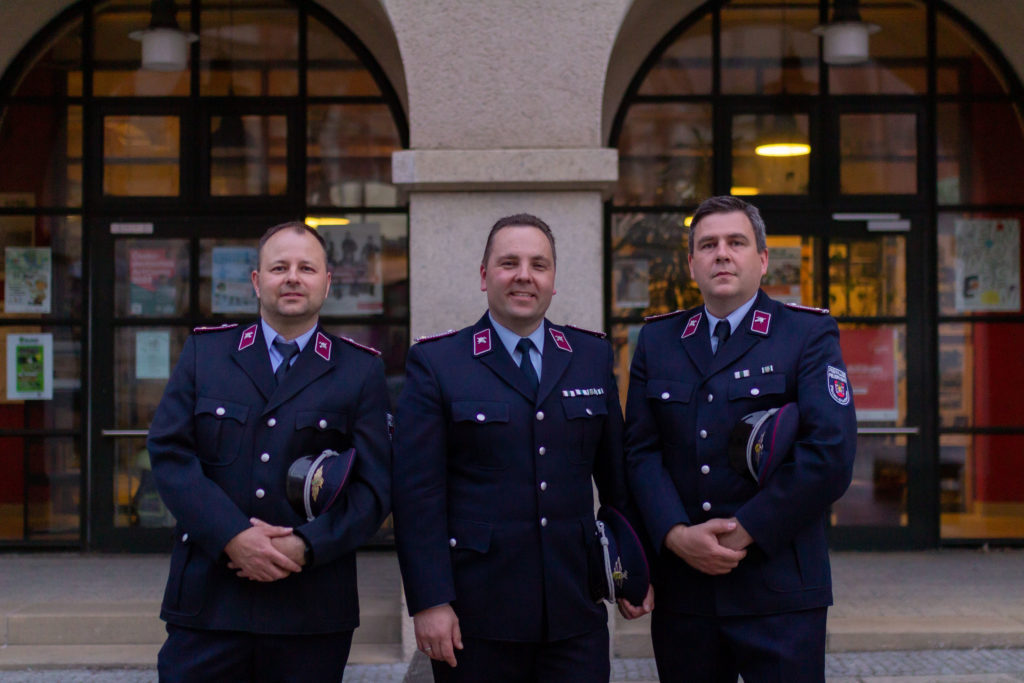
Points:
x=248, y=337
x=761, y=322
x=691, y=325
x=482, y=342
x=560, y=340
x=323, y=346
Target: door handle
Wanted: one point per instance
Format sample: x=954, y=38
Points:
x=124, y=433
x=889, y=431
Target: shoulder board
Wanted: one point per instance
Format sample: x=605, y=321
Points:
x=595, y=333
x=808, y=309
x=433, y=337
x=663, y=316
x=353, y=342
x=205, y=329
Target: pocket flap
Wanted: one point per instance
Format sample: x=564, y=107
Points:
x=481, y=412
x=584, y=407
x=669, y=391
x=757, y=385
x=220, y=408
x=321, y=421
x=467, y=535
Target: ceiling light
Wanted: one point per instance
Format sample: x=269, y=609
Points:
x=846, y=36
x=164, y=44
x=782, y=139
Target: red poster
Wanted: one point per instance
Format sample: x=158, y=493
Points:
x=870, y=356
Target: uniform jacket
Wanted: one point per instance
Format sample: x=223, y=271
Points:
x=683, y=403
x=494, y=505
x=221, y=443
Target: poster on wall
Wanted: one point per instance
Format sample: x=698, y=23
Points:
x=151, y=276
x=28, y=279
x=353, y=255
x=871, y=363
x=29, y=366
x=631, y=283
x=152, y=354
x=231, y=289
x=782, y=281
x=987, y=264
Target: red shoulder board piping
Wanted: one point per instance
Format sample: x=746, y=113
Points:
x=809, y=309
x=203, y=329
x=353, y=342
x=662, y=316
x=432, y=337
x=599, y=335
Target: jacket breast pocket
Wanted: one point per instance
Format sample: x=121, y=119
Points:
x=584, y=422
x=758, y=387
x=669, y=399
x=220, y=425
x=480, y=431
x=317, y=430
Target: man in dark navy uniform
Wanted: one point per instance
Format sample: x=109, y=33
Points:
x=257, y=591
x=742, y=572
x=502, y=427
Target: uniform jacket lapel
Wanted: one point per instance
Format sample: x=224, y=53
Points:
x=697, y=344
x=255, y=362
x=554, y=364
x=499, y=361
x=307, y=368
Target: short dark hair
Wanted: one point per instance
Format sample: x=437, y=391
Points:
x=297, y=227
x=730, y=204
x=519, y=220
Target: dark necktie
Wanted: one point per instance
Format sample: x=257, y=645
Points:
x=526, y=364
x=288, y=351
x=722, y=330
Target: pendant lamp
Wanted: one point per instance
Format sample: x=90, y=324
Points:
x=164, y=44
x=846, y=36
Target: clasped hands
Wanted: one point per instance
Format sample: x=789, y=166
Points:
x=713, y=547
x=265, y=552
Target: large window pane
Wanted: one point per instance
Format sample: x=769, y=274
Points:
x=137, y=503
x=349, y=151
x=963, y=67
x=41, y=155
x=225, y=283
x=898, y=53
x=867, y=277
x=39, y=488
x=249, y=52
x=151, y=278
x=756, y=170
x=980, y=374
x=141, y=156
x=118, y=58
x=878, y=154
x=248, y=155
x=876, y=360
x=57, y=68
x=878, y=493
x=143, y=360
x=685, y=67
x=982, y=486
x=769, y=50
x=980, y=147
x=333, y=68
x=665, y=155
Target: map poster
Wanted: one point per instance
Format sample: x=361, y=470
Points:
x=232, y=290
x=28, y=279
x=987, y=264
x=354, y=257
x=29, y=366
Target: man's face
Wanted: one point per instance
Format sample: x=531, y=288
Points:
x=725, y=261
x=519, y=278
x=292, y=280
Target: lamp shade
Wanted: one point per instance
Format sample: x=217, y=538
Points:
x=164, y=49
x=845, y=42
x=782, y=139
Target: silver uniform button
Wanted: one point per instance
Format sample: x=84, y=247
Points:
x=589, y=411
x=184, y=538
x=706, y=506
x=480, y=417
x=755, y=391
x=704, y=469
x=322, y=424
x=452, y=542
x=260, y=493
x=543, y=486
x=542, y=450
x=711, y=397
x=703, y=433
x=220, y=410
x=540, y=414
x=272, y=422
x=265, y=457
x=543, y=521
x=664, y=395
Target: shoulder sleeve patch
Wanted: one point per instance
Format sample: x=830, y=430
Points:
x=205, y=329
x=663, y=316
x=595, y=333
x=807, y=309
x=353, y=342
x=433, y=337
